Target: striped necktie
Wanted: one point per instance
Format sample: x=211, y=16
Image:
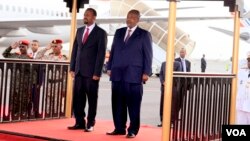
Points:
x=127, y=37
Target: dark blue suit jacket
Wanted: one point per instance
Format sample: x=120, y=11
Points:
x=128, y=62
x=88, y=58
x=177, y=67
x=188, y=64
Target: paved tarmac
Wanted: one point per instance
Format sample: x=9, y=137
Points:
x=150, y=101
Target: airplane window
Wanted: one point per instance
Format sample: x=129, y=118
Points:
x=57, y=14
x=52, y=13
x=19, y=9
x=25, y=10
x=37, y=11
x=1, y=7
x=42, y=11
x=66, y=14
x=62, y=14
x=47, y=12
x=31, y=10
x=13, y=8
x=7, y=7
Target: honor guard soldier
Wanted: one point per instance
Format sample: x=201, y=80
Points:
x=54, y=79
x=243, y=95
x=20, y=82
x=55, y=55
x=23, y=46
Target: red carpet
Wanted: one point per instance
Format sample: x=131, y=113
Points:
x=10, y=137
x=57, y=129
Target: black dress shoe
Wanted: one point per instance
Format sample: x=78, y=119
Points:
x=116, y=133
x=159, y=125
x=76, y=127
x=130, y=135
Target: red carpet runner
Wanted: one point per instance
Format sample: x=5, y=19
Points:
x=57, y=129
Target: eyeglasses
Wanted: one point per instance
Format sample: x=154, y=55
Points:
x=22, y=46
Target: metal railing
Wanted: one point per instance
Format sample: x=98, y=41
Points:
x=35, y=89
x=203, y=105
x=32, y=89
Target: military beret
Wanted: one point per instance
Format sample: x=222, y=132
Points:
x=24, y=42
x=56, y=41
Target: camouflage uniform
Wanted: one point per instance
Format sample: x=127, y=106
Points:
x=50, y=56
x=54, y=80
x=20, y=95
x=7, y=54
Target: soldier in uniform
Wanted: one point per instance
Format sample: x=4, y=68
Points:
x=55, y=55
x=54, y=79
x=243, y=95
x=23, y=47
x=20, y=95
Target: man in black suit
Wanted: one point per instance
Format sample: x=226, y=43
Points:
x=185, y=82
x=186, y=64
x=203, y=63
x=86, y=64
x=129, y=67
x=176, y=67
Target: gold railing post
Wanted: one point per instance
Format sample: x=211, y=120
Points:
x=169, y=71
x=235, y=64
x=70, y=80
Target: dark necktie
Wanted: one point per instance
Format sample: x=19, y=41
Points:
x=85, y=37
x=249, y=74
x=127, y=37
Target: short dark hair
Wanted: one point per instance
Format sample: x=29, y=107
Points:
x=92, y=10
x=135, y=12
x=35, y=41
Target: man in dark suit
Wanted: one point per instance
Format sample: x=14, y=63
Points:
x=86, y=64
x=203, y=63
x=129, y=67
x=176, y=67
x=186, y=64
x=185, y=82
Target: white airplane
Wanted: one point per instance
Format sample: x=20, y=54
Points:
x=244, y=8
x=27, y=19
x=45, y=21
x=244, y=30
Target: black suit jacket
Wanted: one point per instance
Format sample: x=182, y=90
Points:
x=176, y=67
x=203, y=63
x=88, y=58
x=188, y=64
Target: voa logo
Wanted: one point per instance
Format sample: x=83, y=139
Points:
x=236, y=132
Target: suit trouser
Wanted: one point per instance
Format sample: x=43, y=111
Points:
x=85, y=88
x=174, y=104
x=126, y=96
